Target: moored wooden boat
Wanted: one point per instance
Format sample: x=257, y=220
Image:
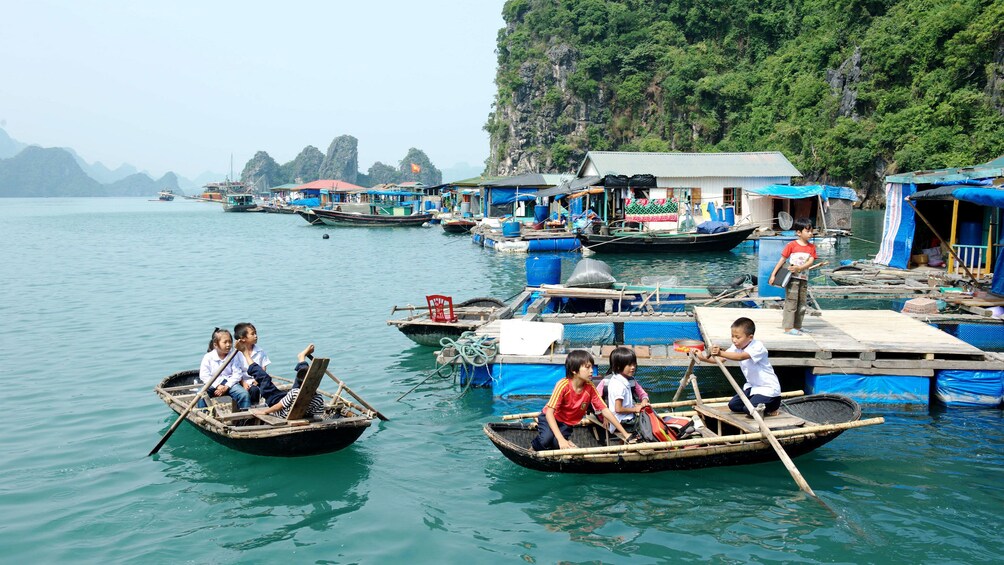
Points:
x=802, y=425
x=239, y=203
x=340, y=425
x=665, y=242
x=470, y=315
x=337, y=218
x=458, y=225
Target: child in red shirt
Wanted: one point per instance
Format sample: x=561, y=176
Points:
x=567, y=405
x=800, y=254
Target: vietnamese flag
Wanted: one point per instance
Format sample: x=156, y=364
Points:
x=415, y=168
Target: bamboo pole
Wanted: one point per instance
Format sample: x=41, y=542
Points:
x=765, y=430
x=703, y=441
x=686, y=376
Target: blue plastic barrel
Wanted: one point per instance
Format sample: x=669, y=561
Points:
x=543, y=270
x=510, y=229
x=540, y=213
x=770, y=252
x=555, y=244
x=730, y=215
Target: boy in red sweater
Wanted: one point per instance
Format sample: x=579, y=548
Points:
x=800, y=255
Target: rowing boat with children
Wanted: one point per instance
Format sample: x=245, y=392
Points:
x=720, y=438
x=337, y=425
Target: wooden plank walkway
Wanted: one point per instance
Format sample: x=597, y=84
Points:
x=838, y=335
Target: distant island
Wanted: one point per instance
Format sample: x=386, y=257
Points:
x=33, y=171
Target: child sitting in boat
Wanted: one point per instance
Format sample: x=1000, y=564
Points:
x=282, y=406
x=800, y=255
x=567, y=405
x=229, y=380
x=255, y=362
x=762, y=386
x=625, y=397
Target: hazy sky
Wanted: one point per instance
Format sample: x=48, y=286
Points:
x=182, y=85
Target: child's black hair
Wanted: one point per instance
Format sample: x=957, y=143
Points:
x=213, y=338
x=746, y=325
x=575, y=360
x=241, y=329
x=620, y=358
x=800, y=224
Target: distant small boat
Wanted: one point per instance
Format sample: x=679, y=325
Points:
x=458, y=225
x=239, y=203
x=166, y=195
x=337, y=218
x=665, y=242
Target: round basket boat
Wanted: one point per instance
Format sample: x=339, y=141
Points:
x=688, y=345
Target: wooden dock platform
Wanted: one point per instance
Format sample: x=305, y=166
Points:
x=881, y=340
x=867, y=342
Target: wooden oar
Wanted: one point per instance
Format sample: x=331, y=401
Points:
x=205, y=387
x=795, y=474
x=353, y=394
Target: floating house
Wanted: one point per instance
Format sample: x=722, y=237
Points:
x=954, y=210
x=663, y=189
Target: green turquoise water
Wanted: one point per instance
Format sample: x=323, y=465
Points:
x=101, y=298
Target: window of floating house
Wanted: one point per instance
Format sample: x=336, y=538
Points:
x=733, y=196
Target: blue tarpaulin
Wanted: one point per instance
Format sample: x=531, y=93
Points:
x=308, y=202
x=872, y=388
x=982, y=196
x=808, y=191
x=898, y=228
x=510, y=195
x=970, y=388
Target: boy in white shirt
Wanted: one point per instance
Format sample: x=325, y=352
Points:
x=762, y=386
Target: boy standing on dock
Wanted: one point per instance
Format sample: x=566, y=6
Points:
x=800, y=255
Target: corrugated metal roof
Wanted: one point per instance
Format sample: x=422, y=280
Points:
x=988, y=170
x=689, y=165
x=329, y=184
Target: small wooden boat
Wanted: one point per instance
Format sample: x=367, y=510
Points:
x=341, y=423
x=337, y=218
x=458, y=225
x=802, y=424
x=469, y=315
x=665, y=242
x=239, y=203
x=276, y=209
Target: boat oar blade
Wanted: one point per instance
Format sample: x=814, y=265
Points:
x=192, y=404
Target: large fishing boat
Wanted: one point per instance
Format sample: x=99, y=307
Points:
x=628, y=241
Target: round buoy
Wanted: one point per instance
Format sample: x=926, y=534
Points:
x=325, y=236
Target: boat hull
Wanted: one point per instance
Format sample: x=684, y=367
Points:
x=513, y=440
x=458, y=226
x=335, y=218
x=643, y=242
x=314, y=438
x=310, y=217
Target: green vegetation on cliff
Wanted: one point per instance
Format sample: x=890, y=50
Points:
x=849, y=90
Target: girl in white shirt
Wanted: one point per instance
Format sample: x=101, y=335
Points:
x=620, y=400
x=229, y=380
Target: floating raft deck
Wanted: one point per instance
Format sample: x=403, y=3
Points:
x=865, y=341
x=876, y=342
